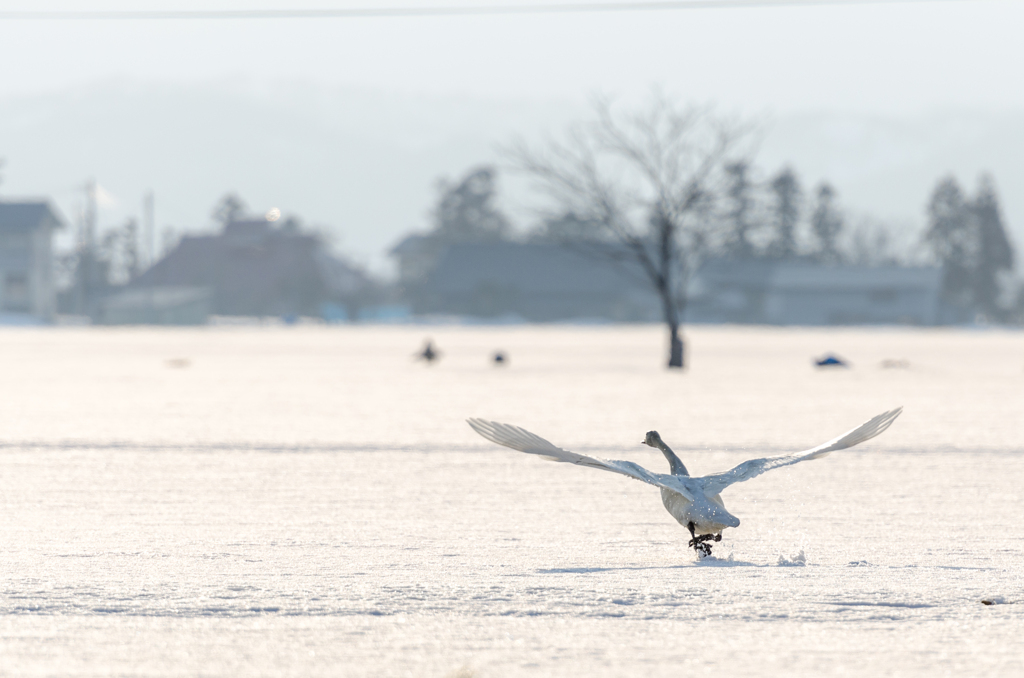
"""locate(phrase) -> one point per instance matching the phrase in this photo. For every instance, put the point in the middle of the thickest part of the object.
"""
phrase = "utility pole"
(148, 229)
(90, 214)
(86, 251)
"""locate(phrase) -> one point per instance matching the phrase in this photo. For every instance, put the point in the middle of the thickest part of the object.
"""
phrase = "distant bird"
(429, 353)
(830, 361)
(500, 358)
(695, 502)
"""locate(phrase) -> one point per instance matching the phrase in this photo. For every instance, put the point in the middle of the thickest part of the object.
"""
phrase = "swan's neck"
(675, 464)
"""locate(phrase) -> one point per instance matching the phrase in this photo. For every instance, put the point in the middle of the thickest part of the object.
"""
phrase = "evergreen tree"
(827, 223)
(466, 210)
(229, 209)
(952, 240)
(994, 251)
(741, 203)
(786, 213)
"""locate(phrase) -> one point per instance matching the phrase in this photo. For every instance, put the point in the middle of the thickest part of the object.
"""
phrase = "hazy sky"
(884, 59)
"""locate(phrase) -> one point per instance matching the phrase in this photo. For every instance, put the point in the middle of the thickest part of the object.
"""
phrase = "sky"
(438, 94)
(881, 57)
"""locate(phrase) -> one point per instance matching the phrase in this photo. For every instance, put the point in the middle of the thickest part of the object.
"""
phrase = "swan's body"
(696, 502)
(707, 517)
(701, 517)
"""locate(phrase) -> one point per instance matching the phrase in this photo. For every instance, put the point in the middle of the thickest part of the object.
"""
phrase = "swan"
(696, 502)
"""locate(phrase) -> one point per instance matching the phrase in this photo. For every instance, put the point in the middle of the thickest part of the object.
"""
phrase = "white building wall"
(26, 260)
(42, 292)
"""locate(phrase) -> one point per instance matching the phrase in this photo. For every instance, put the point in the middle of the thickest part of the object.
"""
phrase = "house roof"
(26, 216)
(250, 272)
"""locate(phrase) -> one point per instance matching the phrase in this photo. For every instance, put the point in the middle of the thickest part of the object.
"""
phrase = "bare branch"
(648, 178)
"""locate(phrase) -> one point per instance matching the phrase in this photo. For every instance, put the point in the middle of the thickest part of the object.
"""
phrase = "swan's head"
(653, 439)
(675, 464)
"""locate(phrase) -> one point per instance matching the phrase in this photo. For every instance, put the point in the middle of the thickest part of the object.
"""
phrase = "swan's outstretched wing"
(716, 482)
(524, 441)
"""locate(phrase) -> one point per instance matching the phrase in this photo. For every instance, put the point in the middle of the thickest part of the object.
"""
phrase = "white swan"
(695, 502)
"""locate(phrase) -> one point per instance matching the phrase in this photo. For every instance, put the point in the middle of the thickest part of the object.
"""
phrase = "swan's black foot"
(704, 538)
(700, 544)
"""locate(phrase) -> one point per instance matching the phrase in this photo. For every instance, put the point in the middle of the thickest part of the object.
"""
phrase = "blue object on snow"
(830, 361)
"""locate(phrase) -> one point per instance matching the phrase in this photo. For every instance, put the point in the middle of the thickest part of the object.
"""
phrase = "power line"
(427, 11)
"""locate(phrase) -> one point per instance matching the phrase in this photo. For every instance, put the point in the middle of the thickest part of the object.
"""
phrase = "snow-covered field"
(309, 502)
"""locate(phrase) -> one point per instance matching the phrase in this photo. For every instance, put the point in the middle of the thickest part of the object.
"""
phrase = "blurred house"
(251, 269)
(416, 256)
(547, 282)
(536, 281)
(162, 305)
(26, 260)
(804, 293)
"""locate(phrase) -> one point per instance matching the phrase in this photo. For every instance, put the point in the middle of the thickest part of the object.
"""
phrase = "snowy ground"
(308, 501)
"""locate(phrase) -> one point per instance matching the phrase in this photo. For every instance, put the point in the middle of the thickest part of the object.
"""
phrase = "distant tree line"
(772, 219)
(670, 186)
(966, 236)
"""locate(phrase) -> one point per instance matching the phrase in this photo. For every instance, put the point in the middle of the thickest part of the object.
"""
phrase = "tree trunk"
(676, 354)
(671, 313)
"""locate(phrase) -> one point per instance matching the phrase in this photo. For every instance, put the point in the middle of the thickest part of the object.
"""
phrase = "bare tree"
(870, 242)
(647, 181)
(130, 248)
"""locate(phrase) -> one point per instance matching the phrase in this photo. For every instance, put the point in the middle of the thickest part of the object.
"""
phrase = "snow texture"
(310, 502)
